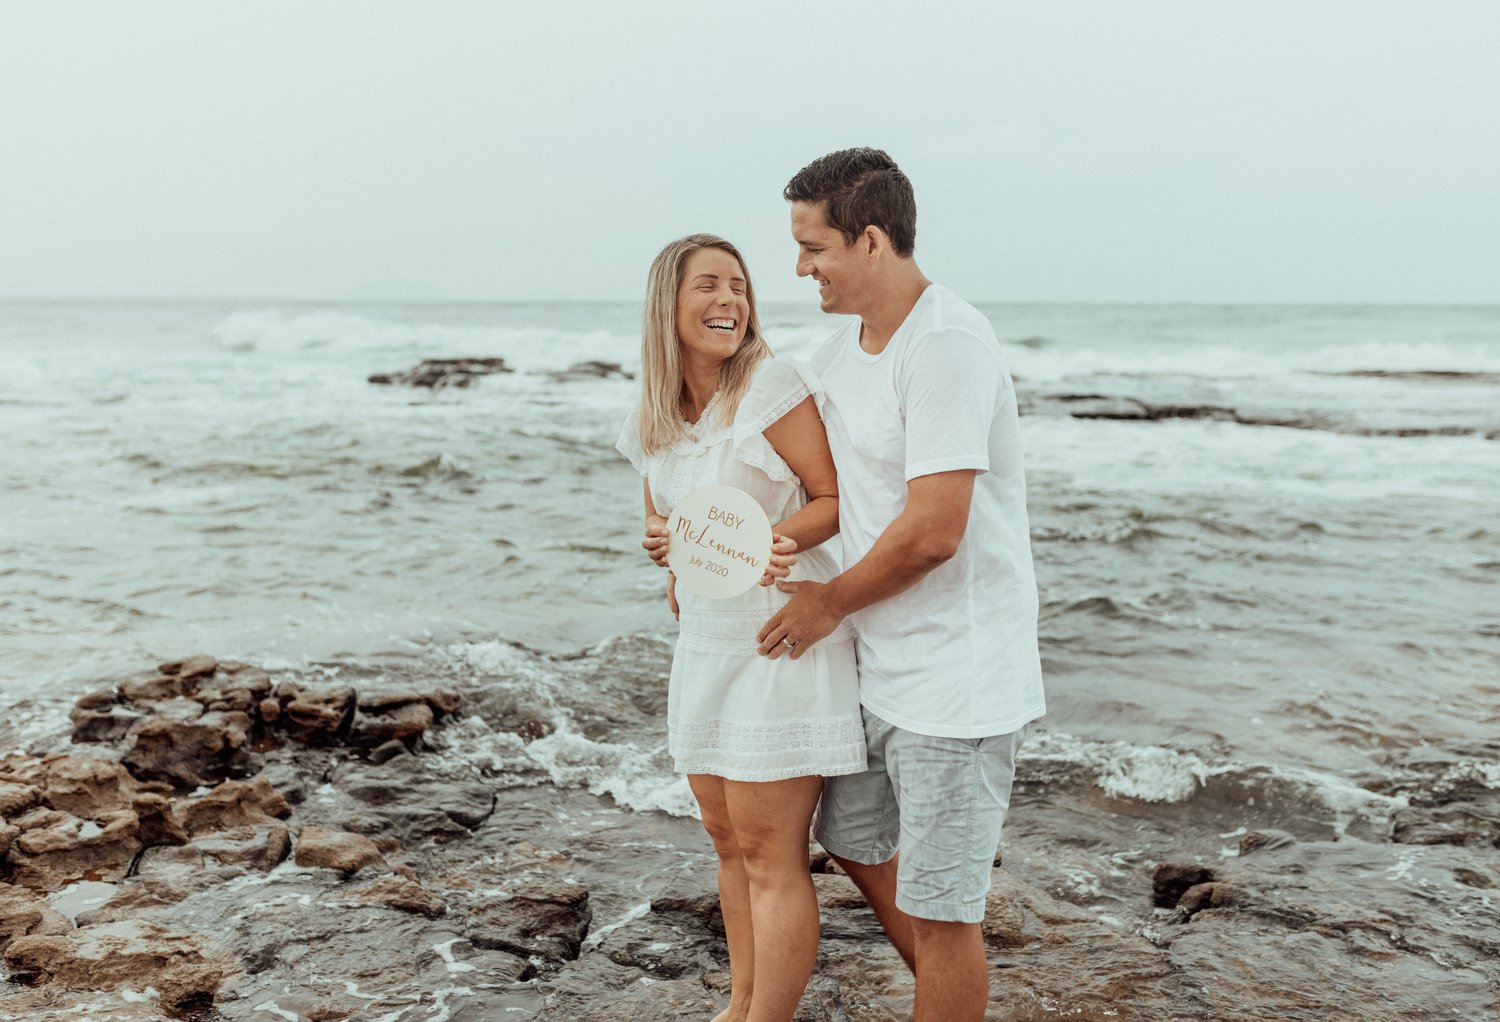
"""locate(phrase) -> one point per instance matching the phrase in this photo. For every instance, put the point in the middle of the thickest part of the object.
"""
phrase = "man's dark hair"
(860, 188)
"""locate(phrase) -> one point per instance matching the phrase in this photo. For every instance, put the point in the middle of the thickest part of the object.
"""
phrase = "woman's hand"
(656, 540)
(783, 558)
(672, 596)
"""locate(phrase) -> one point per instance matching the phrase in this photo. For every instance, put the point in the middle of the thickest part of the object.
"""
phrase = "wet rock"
(1267, 840)
(232, 804)
(83, 785)
(1214, 894)
(191, 753)
(1171, 881)
(387, 751)
(592, 371)
(260, 848)
(103, 723)
(600, 989)
(417, 799)
(16, 798)
(128, 954)
(406, 723)
(23, 914)
(238, 687)
(443, 372)
(1473, 878)
(155, 688)
(56, 848)
(190, 667)
(1456, 823)
(400, 893)
(326, 848)
(316, 715)
(542, 917)
(442, 701)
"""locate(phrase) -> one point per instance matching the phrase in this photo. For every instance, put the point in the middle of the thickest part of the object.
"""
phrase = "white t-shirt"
(956, 654)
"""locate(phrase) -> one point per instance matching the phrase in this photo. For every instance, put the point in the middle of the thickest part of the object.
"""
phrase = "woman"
(755, 736)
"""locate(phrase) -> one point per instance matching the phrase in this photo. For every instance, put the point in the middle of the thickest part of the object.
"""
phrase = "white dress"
(730, 711)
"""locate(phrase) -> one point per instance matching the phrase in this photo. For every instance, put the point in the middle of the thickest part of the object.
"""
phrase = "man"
(921, 418)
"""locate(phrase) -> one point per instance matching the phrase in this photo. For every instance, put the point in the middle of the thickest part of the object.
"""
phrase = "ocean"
(1267, 538)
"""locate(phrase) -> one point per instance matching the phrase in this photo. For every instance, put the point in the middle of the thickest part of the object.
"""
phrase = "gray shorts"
(940, 802)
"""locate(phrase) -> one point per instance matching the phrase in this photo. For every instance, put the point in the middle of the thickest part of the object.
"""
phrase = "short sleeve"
(629, 443)
(779, 385)
(951, 387)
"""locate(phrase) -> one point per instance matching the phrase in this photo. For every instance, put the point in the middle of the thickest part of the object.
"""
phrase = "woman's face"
(712, 307)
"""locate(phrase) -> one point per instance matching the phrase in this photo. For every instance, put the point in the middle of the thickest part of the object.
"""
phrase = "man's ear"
(874, 242)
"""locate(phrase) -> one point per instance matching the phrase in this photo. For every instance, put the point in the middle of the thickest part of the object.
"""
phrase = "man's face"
(823, 255)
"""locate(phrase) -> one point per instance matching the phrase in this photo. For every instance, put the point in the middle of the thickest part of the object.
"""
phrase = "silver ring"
(788, 644)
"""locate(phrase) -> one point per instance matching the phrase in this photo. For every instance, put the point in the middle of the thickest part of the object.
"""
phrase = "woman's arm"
(799, 437)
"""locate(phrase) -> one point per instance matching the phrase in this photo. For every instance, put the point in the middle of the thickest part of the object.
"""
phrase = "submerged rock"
(443, 372)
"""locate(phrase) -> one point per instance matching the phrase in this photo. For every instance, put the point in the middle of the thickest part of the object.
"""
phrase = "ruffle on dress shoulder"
(629, 443)
(780, 384)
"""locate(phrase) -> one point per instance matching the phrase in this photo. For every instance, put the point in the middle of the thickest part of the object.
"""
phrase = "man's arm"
(926, 533)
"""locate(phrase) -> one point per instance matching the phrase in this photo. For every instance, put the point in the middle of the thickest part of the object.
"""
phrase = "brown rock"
(441, 701)
(103, 723)
(400, 893)
(130, 954)
(270, 710)
(23, 914)
(57, 848)
(84, 785)
(156, 688)
(316, 715)
(190, 753)
(405, 723)
(543, 917)
(1210, 895)
(241, 688)
(232, 804)
(16, 798)
(1171, 881)
(1265, 840)
(326, 848)
(190, 667)
(261, 848)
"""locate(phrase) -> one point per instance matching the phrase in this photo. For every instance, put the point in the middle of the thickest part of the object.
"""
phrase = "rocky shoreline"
(212, 843)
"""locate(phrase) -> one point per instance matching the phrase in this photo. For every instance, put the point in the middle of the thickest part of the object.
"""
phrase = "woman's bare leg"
(734, 895)
(770, 821)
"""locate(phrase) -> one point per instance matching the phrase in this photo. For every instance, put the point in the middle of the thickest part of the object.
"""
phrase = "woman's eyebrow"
(715, 276)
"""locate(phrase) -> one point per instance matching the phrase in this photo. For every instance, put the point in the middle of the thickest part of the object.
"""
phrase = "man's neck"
(896, 300)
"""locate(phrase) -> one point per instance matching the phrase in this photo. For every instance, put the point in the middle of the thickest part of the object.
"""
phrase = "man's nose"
(804, 266)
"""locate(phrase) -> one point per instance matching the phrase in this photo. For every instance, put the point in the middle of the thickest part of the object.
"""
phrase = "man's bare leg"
(952, 973)
(878, 885)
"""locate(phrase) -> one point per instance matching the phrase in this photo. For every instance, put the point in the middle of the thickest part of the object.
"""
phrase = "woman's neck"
(700, 380)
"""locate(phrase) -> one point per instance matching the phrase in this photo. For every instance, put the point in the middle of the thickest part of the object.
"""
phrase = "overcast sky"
(1170, 150)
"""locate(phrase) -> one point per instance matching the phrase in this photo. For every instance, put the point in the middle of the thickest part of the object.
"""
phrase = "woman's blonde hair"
(661, 422)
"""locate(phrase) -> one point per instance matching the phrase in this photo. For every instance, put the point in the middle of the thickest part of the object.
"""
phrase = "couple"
(889, 688)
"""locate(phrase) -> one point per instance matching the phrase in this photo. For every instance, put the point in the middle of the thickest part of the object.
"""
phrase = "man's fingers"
(772, 645)
(767, 628)
(802, 647)
(789, 587)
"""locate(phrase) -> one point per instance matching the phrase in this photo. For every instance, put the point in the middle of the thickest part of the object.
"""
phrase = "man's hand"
(805, 619)
(672, 596)
(656, 540)
(783, 559)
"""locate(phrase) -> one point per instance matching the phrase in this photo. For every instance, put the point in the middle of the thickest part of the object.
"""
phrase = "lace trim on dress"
(826, 736)
(751, 445)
